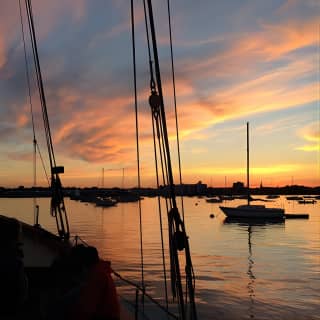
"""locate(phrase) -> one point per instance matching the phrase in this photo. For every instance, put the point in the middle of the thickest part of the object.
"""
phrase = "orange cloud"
(266, 93)
(22, 120)
(310, 133)
(252, 91)
(277, 40)
(245, 50)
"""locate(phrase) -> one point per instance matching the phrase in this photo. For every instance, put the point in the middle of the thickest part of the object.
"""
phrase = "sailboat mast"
(248, 159)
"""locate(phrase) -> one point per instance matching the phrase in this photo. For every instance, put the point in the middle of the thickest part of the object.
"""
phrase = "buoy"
(211, 215)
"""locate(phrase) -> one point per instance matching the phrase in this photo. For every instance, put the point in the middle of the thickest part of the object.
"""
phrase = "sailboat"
(42, 249)
(249, 211)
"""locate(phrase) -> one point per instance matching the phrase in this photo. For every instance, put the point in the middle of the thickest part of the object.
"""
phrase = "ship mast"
(178, 240)
(58, 209)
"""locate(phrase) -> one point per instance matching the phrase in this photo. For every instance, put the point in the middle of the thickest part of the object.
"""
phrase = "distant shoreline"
(40, 192)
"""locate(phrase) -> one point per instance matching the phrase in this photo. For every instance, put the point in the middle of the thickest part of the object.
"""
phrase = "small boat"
(214, 200)
(294, 198)
(273, 196)
(105, 202)
(307, 201)
(253, 212)
(249, 211)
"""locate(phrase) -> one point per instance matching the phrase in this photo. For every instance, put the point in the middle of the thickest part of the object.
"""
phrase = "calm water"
(269, 271)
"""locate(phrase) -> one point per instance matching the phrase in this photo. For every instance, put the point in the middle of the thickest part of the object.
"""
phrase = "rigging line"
(43, 166)
(153, 91)
(175, 105)
(162, 111)
(33, 51)
(175, 222)
(35, 204)
(163, 163)
(152, 82)
(173, 212)
(164, 166)
(57, 202)
(160, 217)
(27, 70)
(137, 135)
(40, 84)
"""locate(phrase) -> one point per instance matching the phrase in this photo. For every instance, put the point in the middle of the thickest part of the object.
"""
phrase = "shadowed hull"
(253, 212)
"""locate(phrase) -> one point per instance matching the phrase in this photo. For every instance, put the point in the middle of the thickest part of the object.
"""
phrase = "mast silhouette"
(57, 209)
(178, 239)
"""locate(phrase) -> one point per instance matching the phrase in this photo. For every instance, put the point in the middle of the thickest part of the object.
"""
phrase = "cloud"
(254, 73)
(310, 133)
(270, 91)
(239, 53)
(309, 148)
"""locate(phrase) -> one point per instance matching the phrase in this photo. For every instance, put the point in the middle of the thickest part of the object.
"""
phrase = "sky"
(234, 61)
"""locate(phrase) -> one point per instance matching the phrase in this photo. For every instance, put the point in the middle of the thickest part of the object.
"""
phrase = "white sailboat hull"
(253, 212)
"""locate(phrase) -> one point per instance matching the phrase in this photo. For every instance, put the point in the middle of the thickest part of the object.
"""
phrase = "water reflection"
(251, 226)
(252, 278)
(226, 254)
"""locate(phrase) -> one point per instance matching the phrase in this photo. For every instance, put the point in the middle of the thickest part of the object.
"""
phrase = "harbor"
(279, 279)
(114, 118)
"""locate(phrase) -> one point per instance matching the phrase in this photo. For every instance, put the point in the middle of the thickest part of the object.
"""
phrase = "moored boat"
(249, 211)
(253, 212)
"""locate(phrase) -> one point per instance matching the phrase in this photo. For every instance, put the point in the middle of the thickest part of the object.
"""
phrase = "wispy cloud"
(311, 134)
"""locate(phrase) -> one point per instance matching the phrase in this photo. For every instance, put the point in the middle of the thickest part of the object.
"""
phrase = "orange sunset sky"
(235, 61)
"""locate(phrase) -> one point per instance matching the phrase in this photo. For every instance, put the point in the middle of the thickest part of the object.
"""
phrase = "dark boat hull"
(253, 212)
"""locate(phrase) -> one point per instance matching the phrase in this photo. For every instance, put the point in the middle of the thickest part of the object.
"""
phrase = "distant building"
(238, 187)
(189, 189)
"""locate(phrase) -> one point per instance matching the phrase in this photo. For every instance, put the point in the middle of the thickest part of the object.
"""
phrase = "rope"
(57, 202)
(40, 83)
(175, 105)
(43, 166)
(152, 82)
(35, 204)
(178, 239)
(144, 293)
(157, 127)
(35, 143)
(137, 136)
(160, 218)
(175, 269)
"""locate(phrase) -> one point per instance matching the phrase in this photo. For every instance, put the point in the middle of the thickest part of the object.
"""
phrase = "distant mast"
(248, 181)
